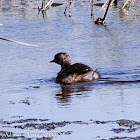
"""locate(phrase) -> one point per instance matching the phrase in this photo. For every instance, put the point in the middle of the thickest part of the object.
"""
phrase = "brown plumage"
(73, 73)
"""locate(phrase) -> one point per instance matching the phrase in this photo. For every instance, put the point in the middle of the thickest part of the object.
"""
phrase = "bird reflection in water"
(67, 91)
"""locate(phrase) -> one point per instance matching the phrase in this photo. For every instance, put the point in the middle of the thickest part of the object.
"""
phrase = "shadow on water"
(121, 77)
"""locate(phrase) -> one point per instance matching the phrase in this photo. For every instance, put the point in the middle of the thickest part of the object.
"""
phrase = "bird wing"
(76, 68)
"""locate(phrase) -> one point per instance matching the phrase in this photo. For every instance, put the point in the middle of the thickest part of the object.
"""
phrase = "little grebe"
(73, 73)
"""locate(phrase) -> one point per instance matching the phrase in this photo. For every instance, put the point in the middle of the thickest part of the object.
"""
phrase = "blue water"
(112, 49)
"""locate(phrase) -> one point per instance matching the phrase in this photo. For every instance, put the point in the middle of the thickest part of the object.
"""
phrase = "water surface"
(28, 88)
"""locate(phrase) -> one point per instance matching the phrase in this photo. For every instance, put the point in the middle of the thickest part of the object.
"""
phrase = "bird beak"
(52, 61)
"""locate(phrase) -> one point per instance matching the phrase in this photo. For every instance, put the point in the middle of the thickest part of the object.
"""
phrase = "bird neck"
(65, 65)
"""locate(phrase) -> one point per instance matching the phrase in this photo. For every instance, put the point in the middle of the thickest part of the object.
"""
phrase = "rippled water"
(112, 49)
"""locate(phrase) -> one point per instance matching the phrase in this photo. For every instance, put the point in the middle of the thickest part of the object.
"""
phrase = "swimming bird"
(77, 72)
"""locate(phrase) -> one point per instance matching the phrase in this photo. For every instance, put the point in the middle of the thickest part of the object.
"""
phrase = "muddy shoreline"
(128, 126)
